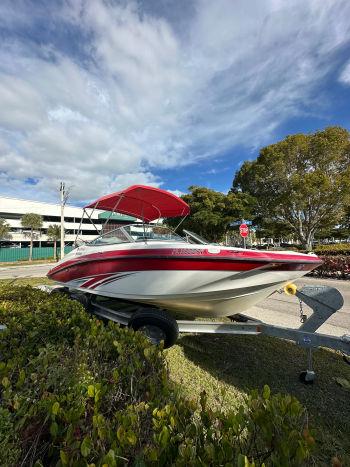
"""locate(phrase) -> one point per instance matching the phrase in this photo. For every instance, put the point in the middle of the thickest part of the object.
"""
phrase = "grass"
(228, 367)
(33, 281)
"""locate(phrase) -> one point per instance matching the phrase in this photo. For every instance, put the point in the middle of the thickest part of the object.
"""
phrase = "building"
(12, 210)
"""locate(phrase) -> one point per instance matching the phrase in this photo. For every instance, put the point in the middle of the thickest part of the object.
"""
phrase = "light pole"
(63, 197)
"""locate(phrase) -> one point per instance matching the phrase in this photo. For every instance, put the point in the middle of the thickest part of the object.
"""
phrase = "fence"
(22, 254)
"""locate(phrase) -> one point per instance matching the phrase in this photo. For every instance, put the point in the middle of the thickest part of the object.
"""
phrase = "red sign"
(243, 230)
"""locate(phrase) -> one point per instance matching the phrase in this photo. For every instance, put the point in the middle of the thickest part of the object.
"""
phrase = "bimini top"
(144, 202)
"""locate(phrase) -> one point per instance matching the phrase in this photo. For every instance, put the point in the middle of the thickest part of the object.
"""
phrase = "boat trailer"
(159, 325)
(324, 301)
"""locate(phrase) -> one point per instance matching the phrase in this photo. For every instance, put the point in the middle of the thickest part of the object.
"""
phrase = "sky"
(106, 94)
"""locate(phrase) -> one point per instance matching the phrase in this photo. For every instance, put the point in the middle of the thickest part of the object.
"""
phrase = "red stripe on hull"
(93, 280)
(87, 269)
(189, 256)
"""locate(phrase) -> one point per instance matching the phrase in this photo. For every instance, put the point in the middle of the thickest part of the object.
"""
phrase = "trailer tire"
(60, 290)
(83, 298)
(157, 325)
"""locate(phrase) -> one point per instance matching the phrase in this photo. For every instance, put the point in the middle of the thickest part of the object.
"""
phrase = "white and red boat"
(150, 264)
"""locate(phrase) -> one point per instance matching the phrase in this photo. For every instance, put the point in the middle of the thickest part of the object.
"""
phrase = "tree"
(212, 211)
(341, 231)
(344, 225)
(33, 222)
(4, 230)
(270, 228)
(303, 181)
(54, 234)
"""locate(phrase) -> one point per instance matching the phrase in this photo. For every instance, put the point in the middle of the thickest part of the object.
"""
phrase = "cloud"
(108, 94)
(177, 192)
(345, 75)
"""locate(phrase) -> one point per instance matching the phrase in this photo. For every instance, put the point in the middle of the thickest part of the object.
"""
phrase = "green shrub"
(76, 392)
(333, 250)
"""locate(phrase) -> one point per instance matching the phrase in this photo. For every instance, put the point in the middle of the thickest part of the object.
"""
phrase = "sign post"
(244, 232)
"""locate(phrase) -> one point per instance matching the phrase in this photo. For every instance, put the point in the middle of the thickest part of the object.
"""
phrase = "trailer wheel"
(83, 298)
(60, 290)
(157, 325)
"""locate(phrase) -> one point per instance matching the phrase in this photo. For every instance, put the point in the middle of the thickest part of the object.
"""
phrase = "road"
(33, 270)
(279, 309)
(283, 310)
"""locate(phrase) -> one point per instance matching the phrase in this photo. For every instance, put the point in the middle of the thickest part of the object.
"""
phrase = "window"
(10, 215)
(136, 233)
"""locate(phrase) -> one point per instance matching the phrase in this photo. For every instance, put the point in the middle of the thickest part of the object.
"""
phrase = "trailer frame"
(323, 300)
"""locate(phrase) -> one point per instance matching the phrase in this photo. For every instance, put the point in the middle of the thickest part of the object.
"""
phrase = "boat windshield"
(192, 237)
(137, 233)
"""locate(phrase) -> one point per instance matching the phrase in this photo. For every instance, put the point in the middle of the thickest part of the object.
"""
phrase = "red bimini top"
(144, 202)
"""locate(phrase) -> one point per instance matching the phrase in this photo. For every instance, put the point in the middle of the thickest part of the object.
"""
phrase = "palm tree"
(54, 234)
(33, 222)
(4, 229)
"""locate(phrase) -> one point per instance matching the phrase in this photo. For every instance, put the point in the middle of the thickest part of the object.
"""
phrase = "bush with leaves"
(334, 267)
(333, 250)
(76, 392)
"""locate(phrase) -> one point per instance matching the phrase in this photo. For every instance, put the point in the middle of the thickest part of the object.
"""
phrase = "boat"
(148, 263)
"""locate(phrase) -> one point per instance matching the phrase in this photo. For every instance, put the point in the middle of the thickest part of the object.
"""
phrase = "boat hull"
(232, 296)
(193, 282)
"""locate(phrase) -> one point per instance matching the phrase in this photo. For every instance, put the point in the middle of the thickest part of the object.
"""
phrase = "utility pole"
(64, 197)
(244, 243)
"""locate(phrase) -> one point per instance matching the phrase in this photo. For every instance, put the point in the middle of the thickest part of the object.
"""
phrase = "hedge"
(76, 392)
(336, 261)
(334, 267)
(333, 250)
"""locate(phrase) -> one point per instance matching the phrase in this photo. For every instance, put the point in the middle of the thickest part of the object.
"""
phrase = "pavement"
(279, 309)
(284, 310)
(32, 270)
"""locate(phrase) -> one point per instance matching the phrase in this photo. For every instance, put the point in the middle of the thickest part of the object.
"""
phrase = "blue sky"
(105, 94)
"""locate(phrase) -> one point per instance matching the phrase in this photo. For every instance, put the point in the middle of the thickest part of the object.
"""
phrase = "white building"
(12, 210)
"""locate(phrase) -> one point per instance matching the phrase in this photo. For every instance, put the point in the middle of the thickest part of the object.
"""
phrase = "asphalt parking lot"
(284, 309)
(33, 270)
